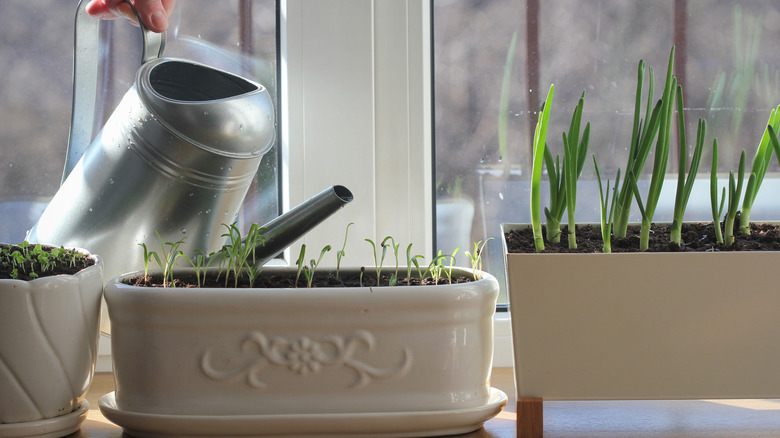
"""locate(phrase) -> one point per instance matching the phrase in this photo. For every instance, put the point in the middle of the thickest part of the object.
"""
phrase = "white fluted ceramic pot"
(48, 343)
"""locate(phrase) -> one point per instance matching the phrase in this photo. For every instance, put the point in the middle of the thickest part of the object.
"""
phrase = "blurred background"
(726, 61)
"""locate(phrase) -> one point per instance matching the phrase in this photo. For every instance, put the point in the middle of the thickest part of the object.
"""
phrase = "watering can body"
(175, 159)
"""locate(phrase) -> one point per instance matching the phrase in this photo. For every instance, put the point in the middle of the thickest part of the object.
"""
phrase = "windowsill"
(655, 418)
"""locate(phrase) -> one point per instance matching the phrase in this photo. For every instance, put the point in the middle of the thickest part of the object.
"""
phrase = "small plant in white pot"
(49, 316)
(274, 351)
(647, 311)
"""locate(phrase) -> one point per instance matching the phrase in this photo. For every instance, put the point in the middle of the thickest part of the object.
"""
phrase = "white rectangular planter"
(645, 325)
(319, 353)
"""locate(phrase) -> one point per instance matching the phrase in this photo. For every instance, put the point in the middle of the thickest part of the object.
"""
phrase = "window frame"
(376, 56)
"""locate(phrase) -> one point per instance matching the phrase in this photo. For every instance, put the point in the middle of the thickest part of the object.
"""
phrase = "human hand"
(154, 13)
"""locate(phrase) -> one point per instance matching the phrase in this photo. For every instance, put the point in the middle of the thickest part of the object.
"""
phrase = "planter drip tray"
(381, 424)
(48, 428)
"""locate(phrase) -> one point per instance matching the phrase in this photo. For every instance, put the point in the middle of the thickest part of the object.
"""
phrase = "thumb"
(153, 14)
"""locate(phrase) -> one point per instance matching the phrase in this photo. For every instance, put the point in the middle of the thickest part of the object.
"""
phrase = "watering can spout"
(287, 228)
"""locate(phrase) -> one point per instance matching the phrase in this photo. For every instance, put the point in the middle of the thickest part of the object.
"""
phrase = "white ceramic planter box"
(188, 353)
(48, 347)
(645, 325)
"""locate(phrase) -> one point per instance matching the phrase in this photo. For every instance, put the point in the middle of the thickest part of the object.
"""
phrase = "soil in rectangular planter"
(325, 279)
(695, 237)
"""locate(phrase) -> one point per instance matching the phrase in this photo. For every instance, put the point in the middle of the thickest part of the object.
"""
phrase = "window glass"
(34, 107)
(725, 61)
(36, 40)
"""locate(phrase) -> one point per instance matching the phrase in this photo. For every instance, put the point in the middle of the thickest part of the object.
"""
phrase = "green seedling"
(563, 180)
(576, 150)
(734, 193)
(313, 264)
(252, 273)
(170, 252)
(685, 184)
(301, 263)
(378, 261)
(436, 267)
(554, 213)
(760, 165)
(476, 256)
(540, 136)
(200, 264)
(239, 253)
(394, 247)
(607, 208)
(717, 207)
(342, 252)
(412, 260)
(660, 160)
(448, 270)
(147, 259)
(642, 138)
(409, 264)
(416, 263)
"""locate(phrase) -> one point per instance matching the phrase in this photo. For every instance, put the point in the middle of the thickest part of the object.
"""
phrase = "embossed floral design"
(304, 356)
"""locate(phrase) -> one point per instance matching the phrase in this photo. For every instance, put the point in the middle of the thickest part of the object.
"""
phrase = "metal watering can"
(176, 158)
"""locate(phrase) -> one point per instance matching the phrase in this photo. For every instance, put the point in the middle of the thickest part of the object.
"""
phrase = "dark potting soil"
(324, 279)
(32, 269)
(695, 237)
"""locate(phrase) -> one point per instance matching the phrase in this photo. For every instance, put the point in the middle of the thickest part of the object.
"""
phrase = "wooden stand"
(530, 417)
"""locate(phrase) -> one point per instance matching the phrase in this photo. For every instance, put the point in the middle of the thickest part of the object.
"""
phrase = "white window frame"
(357, 111)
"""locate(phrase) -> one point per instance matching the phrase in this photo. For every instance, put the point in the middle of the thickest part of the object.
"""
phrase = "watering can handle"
(85, 80)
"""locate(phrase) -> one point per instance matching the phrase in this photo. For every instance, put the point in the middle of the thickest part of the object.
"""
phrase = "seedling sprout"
(540, 136)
